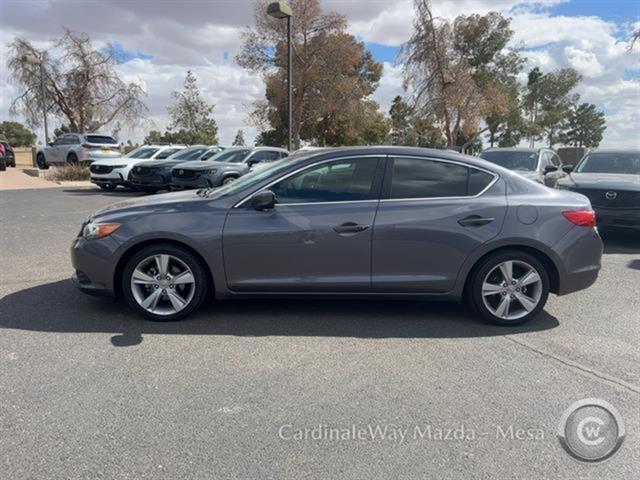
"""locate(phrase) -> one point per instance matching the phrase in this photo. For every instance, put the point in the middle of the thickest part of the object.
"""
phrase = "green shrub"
(70, 173)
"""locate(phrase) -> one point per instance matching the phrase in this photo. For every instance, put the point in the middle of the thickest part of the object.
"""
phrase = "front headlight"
(118, 166)
(99, 230)
(208, 172)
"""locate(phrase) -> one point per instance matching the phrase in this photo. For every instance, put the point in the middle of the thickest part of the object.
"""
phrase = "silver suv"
(78, 147)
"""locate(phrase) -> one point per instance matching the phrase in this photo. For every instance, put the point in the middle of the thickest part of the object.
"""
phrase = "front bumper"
(198, 182)
(618, 217)
(115, 177)
(93, 265)
(159, 181)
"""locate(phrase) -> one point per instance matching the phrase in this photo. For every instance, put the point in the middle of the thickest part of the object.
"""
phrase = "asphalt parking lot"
(88, 390)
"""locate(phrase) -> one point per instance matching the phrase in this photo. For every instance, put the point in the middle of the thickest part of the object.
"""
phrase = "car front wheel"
(509, 288)
(164, 282)
(42, 163)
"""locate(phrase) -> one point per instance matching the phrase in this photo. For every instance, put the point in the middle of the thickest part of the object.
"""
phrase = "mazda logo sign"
(181, 172)
(610, 195)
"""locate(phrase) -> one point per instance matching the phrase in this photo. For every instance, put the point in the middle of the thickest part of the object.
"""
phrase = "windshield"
(512, 160)
(142, 152)
(233, 156)
(610, 163)
(190, 153)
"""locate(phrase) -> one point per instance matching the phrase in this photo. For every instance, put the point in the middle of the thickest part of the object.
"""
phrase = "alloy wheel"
(512, 289)
(163, 284)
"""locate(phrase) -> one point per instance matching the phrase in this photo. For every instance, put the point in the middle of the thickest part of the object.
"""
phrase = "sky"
(157, 41)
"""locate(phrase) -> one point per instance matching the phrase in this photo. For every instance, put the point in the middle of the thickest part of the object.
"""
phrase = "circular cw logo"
(591, 430)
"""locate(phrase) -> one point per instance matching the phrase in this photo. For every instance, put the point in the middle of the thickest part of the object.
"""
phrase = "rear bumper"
(618, 217)
(580, 251)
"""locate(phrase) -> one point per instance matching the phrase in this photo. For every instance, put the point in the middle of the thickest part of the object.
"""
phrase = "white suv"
(108, 174)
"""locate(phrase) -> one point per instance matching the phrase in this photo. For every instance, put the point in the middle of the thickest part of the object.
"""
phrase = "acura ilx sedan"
(374, 221)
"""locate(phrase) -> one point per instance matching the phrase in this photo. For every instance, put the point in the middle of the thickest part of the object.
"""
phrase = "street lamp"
(281, 10)
(33, 60)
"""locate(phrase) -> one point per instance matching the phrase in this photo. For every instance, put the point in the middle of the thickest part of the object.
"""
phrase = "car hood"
(158, 163)
(148, 202)
(210, 164)
(613, 181)
(109, 162)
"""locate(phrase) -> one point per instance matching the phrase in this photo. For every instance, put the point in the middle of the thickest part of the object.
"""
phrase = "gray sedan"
(375, 221)
(225, 167)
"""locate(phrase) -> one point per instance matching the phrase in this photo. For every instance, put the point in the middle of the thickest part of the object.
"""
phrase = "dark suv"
(9, 154)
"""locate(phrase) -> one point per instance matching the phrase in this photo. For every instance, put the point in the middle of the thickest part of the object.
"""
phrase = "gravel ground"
(88, 390)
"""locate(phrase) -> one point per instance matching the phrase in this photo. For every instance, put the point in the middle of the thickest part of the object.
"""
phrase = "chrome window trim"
(378, 156)
(496, 177)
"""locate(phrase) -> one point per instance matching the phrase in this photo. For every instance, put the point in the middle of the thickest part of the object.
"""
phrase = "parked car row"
(152, 168)
(609, 178)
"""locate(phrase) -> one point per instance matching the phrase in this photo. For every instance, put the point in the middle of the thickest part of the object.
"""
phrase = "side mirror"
(252, 161)
(550, 168)
(567, 168)
(50, 144)
(264, 200)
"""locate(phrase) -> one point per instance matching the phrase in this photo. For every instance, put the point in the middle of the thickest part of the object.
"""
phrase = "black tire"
(3, 165)
(227, 180)
(149, 190)
(72, 158)
(109, 187)
(201, 284)
(41, 162)
(486, 266)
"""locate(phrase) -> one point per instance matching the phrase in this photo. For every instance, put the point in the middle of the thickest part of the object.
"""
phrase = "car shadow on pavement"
(67, 310)
(97, 191)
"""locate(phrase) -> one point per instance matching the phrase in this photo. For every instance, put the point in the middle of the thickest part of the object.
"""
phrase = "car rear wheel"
(42, 163)
(72, 158)
(164, 282)
(509, 288)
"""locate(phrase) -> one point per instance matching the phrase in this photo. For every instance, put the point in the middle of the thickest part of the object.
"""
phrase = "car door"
(317, 238)
(54, 153)
(433, 213)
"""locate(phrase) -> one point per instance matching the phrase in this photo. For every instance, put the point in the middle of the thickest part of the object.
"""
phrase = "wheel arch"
(543, 257)
(133, 249)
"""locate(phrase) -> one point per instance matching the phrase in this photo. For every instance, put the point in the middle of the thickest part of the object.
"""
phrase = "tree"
(401, 122)
(16, 134)
(456, 74)
(239, 140)
(585, 126)
(333, 75)
(549, 100)
(82, 87)
(191, 120)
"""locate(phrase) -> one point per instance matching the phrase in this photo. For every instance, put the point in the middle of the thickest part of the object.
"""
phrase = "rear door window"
(424, 178)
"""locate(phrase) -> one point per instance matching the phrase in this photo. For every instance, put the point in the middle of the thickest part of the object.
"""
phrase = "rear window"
(418, 178)
(101, 139)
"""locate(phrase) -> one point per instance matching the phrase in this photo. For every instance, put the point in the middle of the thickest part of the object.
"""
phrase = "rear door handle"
(475, 221)
(350, 227)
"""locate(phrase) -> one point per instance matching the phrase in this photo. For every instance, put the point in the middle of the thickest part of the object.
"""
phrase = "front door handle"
(475, 221)
(350, 227)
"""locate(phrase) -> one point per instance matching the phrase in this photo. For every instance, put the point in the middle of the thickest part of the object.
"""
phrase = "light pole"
(33, 60)
(281, 10)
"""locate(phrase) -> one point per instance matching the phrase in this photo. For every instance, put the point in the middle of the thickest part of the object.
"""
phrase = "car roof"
(616, 150)
(515, 149)
(277, 149)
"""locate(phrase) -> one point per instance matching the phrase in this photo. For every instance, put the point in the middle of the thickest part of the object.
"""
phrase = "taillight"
(582, 218)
